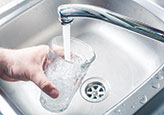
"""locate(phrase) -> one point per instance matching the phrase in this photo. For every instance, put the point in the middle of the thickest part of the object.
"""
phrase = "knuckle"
(45, 47)
(44, 50)
(44, 84)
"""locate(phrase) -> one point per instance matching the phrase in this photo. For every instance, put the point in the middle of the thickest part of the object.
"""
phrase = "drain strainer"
(95, 89)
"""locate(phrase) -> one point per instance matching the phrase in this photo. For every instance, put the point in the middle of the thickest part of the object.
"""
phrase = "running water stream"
(66, 40)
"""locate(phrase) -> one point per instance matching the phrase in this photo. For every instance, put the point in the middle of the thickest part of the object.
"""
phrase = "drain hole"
(95, 89)
(89, 95)
(89, 90)
(101, 90)
(95, 97)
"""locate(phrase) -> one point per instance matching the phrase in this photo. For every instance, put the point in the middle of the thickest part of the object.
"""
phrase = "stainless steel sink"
(129, 62)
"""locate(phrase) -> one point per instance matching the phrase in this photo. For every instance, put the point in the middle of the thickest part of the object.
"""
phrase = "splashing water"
(143, 99)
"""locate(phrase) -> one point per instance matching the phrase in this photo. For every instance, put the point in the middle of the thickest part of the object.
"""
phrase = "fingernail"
(54, 93)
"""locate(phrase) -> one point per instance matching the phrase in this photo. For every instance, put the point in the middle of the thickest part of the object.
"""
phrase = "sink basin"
(129, 62)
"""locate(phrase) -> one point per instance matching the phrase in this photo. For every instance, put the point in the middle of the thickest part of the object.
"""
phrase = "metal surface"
(125, 59)
(69, 11)
(6, 105)
(140, 96)
(14, 8)
(95, 89)
(156, 105)
(153, 7)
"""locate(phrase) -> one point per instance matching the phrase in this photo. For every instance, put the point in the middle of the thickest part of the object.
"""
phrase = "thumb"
(45, 85)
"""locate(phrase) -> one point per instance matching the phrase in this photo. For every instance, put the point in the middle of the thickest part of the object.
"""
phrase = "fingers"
(58, 50)
(45, 85)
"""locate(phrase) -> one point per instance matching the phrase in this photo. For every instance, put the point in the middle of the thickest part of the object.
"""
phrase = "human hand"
(28, 64)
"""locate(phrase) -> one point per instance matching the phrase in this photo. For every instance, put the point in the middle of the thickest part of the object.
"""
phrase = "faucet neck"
(70, 11)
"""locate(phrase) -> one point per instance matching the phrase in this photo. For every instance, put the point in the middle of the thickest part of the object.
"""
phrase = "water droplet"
(135, 103)
(159, 76)
(142, 99)
(132, 106)
(118, 111)
(163, 69)
(161, 72)
(156, 85)
(123, 104)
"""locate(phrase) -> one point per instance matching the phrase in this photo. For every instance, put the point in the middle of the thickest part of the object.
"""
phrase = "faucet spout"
(69, 11)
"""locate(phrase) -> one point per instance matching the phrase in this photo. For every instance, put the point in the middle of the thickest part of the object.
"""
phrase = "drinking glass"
(66, 75)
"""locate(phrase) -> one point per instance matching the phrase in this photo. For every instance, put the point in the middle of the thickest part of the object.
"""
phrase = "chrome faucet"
(69, 11)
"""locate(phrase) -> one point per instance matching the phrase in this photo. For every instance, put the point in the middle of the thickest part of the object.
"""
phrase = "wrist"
(3, 60)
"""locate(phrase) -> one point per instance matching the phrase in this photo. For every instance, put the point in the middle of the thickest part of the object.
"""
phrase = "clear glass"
(66, 75)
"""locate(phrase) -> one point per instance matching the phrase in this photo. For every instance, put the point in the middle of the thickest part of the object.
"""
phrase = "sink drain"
(95, 89)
